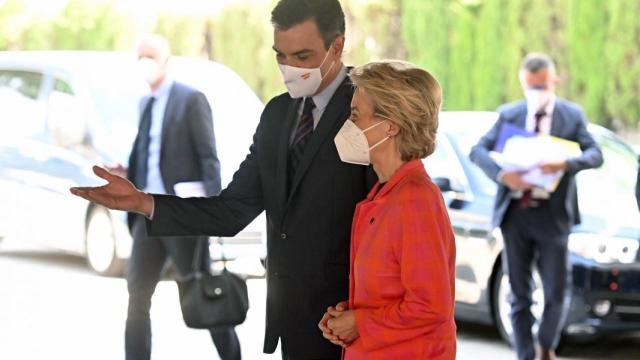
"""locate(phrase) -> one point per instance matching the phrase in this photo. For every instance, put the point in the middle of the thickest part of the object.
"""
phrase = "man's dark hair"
(535, 62)
(327, 14)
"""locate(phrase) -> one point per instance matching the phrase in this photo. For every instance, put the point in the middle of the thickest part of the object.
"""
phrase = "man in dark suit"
(175, 144)
(294, 173)
(535, 224)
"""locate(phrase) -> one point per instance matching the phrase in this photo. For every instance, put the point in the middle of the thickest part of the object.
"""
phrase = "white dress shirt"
(545, 128)
(545, 122)
(154, 177)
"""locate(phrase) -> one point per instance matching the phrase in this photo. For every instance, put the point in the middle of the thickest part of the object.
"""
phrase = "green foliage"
(586, 30)
(425, 27)
(487, 89)
(243, 40)
(622, 50)
(458, 92)
(81, 24)
(480, 43)
(185, 34)
(473, 47)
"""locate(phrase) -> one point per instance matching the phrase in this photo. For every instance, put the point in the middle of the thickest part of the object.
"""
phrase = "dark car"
(604, 253)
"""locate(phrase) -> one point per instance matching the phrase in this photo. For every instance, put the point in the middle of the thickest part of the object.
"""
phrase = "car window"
(66, 116)
(445, 163)
(22, 114)
(25, 83)
(608, 191)
(61, 86)
(464, 141)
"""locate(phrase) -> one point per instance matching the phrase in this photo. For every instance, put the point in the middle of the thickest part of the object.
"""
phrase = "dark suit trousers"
(288, 357)
(531, 238)
(146, 263)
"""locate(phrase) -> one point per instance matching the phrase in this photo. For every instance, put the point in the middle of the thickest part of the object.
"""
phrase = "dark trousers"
(285, 350)
(288, 357)
(530, 238)
(146, 263)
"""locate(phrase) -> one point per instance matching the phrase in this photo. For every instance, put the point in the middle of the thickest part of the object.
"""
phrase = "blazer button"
(283, 236)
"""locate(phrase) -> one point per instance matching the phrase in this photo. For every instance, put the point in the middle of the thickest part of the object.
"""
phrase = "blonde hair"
(409, 97)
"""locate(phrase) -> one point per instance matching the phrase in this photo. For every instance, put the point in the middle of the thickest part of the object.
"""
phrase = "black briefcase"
(212, 300)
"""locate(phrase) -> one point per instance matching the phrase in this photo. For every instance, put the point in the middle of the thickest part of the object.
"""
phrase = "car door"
(63, 163)
(42, 160)
(23, 115)
(445, 169)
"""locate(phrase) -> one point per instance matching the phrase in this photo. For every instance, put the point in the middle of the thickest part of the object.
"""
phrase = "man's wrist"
(147, 205)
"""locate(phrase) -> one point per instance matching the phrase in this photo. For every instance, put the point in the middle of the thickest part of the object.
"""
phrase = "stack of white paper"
(526, 153)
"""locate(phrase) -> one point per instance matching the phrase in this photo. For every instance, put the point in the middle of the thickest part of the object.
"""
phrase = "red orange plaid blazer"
(403, 271)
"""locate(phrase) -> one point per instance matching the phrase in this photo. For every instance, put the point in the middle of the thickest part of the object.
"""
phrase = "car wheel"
(101, 244)
(502, 307)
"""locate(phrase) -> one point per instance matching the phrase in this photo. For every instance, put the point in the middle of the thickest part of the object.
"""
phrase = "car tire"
(100, 244)
(501, 307)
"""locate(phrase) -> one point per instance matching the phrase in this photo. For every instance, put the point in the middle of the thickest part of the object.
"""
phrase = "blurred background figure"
(175, 148)
(535, 223)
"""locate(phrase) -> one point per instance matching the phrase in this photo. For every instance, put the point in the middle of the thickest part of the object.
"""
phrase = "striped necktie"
(302, 136)
(142, 147)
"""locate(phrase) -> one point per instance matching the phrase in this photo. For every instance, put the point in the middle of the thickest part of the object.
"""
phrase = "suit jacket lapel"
(337, 110)
(283, 151)
(557, 118)
(521, 117)
(169, 117)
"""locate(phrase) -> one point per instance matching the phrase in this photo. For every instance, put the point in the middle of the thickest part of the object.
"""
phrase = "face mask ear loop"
(372, 126)
(322, 63)
(379, 142)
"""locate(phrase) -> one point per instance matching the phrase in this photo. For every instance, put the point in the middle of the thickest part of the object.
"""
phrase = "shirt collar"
(548, 109)
(321, 100)
(163, 90)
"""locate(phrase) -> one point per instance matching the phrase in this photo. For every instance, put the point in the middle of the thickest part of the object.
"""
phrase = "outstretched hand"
(118, 194)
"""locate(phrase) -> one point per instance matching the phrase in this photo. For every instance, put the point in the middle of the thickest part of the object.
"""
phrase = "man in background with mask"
(294, 173)
(175, 144)
(535, 224)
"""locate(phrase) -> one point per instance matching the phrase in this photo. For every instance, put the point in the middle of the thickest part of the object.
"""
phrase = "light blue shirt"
(321, 100)
(154, 177)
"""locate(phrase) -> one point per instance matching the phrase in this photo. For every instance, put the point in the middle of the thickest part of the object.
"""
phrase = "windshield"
(464, 140)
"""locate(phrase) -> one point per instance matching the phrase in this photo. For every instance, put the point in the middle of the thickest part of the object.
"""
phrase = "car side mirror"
(452, 192)
(444, 184)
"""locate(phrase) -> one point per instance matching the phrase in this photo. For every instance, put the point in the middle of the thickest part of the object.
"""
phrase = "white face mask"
(352, 144)
(149, 70)
(538, 98)
(303, 82)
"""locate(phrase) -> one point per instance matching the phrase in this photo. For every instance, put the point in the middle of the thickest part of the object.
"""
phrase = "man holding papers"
(536, 204)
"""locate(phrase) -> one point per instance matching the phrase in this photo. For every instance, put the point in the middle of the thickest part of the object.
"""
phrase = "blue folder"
(508, 131)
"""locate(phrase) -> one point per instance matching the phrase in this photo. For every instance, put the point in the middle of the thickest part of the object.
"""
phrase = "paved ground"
(53, 307)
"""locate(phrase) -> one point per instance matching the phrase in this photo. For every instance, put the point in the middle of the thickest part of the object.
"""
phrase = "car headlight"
(604, 249)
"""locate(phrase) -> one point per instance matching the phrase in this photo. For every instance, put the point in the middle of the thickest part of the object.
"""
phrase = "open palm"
(118, 194)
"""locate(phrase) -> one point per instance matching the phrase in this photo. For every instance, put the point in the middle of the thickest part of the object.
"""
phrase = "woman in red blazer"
(401, 296)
